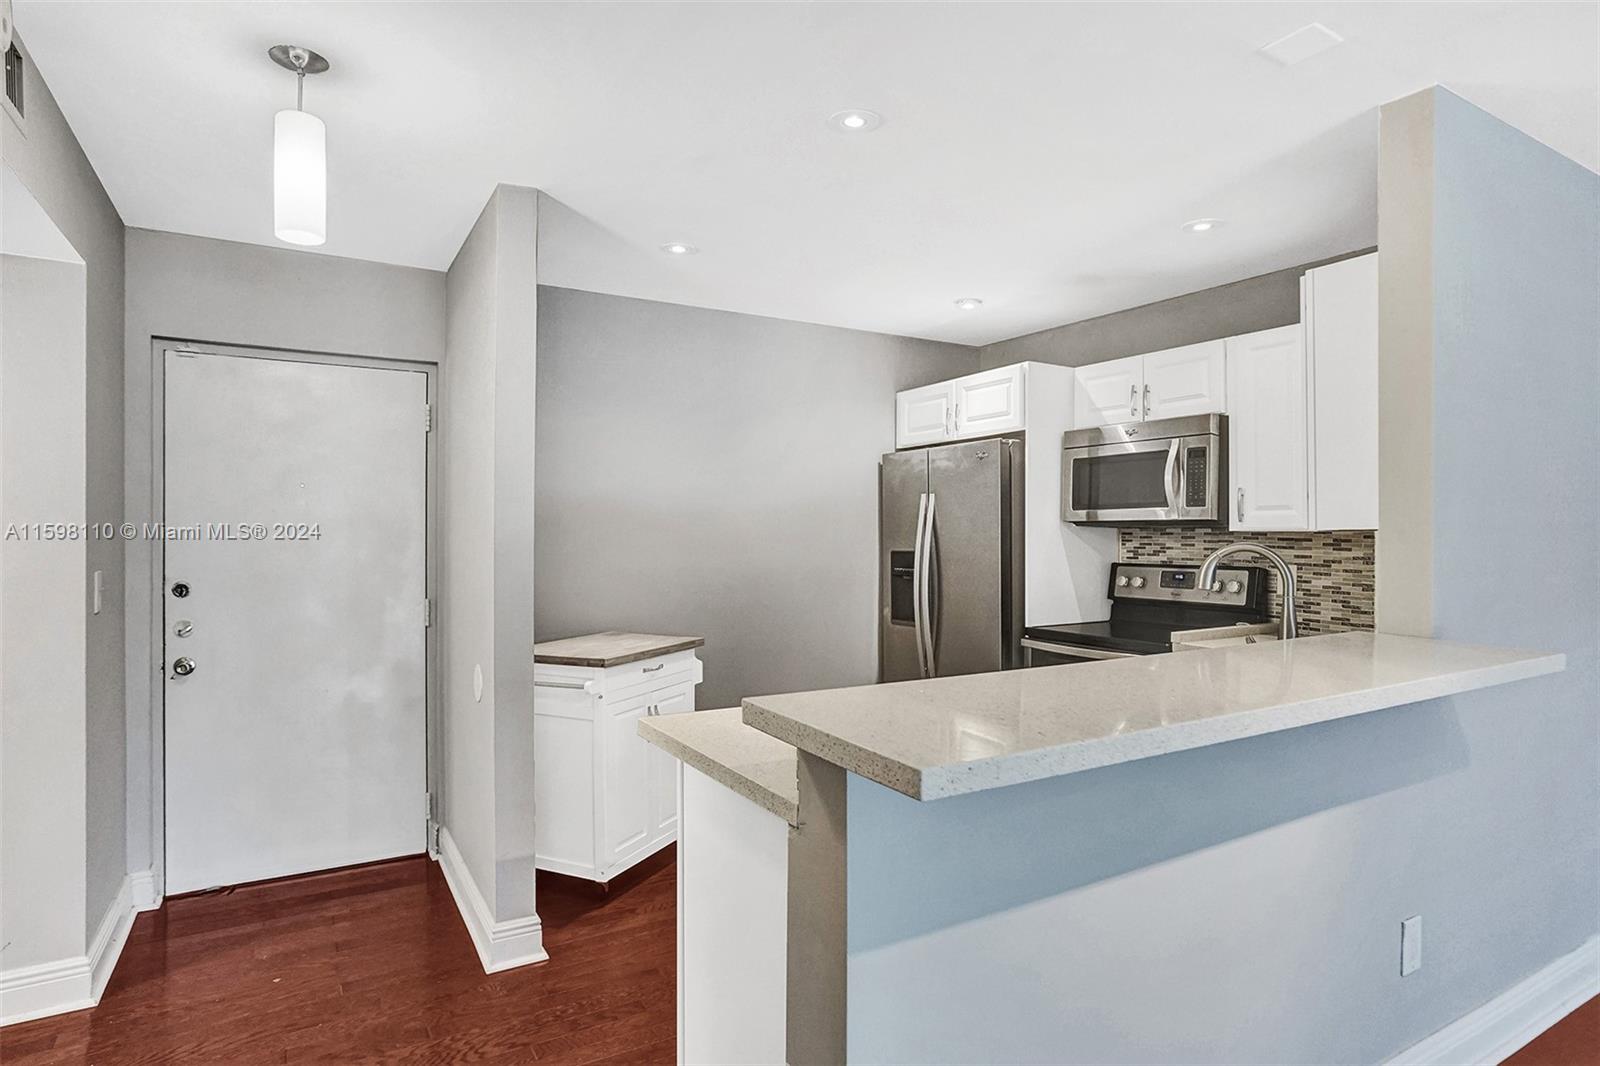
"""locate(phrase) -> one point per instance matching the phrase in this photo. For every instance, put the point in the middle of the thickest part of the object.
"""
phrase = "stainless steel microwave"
(1169, 471)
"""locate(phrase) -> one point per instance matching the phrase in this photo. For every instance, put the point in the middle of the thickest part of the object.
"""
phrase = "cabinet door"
(1267, 430)
(625, 789)
(1185, 381)
(922, 416)
(1109, 393)
(664, 767)
(990, 402)
(1339, 311)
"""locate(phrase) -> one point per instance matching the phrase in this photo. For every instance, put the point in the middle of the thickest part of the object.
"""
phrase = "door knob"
(182, 666)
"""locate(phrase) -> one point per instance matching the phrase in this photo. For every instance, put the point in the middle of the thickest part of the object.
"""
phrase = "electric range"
(1154, 608)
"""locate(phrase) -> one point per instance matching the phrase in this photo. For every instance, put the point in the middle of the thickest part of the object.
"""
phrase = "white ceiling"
(1038, 156)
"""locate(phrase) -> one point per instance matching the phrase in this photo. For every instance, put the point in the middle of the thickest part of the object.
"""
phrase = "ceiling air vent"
(14, 80)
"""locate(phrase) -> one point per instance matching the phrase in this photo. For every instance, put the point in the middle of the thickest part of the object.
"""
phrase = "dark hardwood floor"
(1573, 1041)
(374, 965)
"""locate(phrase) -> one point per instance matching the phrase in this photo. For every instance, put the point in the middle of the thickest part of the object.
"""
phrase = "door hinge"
(427, 613)
(427, 418)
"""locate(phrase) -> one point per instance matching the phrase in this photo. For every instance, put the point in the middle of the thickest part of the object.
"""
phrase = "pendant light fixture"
(299, 156)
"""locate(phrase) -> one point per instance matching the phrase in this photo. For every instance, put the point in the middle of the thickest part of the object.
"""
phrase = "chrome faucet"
(1288, 630)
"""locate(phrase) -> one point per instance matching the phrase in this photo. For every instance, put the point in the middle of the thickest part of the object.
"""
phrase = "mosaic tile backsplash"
(1333, 571)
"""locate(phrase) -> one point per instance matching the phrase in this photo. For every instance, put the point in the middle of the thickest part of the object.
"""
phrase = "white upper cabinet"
(924, 416)
(1185, 381)
(991, 402)
(1109, 392)
(1007, 399)
(1170, 384)
(1267, 456)
(1339, 313)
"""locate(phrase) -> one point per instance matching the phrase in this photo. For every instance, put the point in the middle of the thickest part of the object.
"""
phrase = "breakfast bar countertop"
(954, 735)
(718, 744)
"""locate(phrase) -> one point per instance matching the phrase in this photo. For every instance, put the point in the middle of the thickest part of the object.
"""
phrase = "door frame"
(155, 622)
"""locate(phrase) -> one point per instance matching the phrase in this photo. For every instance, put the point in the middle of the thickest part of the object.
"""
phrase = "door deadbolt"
(182, 627)
(180, 589)
(183, 666)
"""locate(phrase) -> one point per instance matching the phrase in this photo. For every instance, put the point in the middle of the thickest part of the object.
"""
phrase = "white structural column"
(486, 588)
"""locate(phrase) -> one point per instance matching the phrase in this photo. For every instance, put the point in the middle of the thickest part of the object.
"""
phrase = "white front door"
(296, 517)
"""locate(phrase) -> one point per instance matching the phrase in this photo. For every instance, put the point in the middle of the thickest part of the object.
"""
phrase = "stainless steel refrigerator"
(950, 560)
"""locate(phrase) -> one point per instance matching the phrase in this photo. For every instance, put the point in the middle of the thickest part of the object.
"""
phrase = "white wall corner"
(146, 889)
(74, 983)
(500, 945)
(1508, 1022)
(106, 948)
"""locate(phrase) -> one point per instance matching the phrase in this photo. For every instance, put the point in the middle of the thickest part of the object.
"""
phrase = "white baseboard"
(501, 945)
(146, 891)
(74, 983)
(1505, 1024)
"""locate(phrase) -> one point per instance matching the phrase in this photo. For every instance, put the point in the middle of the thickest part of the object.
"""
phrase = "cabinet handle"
(1241, 503)
(1147, 401)
(652, 669)
(1133, 401)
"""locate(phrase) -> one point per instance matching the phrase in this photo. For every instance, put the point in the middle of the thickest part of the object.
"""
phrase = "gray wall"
(53, 167)
(42, 637)
(1262, 302)
(713, 473)
(487, 585)
(1263, 882)
(197, 289)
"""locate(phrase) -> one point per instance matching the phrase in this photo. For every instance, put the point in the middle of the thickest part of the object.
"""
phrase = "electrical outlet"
(1411, 945)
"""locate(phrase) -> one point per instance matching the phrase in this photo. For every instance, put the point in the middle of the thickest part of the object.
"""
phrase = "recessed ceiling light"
(1309, 40)
(679, 248)
(1201, 225)
(855, 120)
(969, 303)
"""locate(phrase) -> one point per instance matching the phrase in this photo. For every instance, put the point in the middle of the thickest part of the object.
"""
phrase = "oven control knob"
(1122, 581)
(1138, 582)
(1216, 586)
(1234, 586)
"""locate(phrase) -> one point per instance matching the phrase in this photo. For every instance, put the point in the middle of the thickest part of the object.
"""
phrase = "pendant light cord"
(299, 58)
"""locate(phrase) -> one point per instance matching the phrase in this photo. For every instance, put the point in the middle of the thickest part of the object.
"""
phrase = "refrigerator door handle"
(919, 568)
(930, 590)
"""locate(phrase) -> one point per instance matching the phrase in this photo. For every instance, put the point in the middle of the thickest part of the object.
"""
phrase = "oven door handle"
(1076, 650)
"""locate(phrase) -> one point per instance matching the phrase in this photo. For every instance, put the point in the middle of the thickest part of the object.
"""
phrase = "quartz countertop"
(949, 736)
(610, 648)
(758, 767)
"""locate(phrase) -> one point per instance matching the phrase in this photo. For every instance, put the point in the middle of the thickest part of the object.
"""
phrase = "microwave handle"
(1174, 477)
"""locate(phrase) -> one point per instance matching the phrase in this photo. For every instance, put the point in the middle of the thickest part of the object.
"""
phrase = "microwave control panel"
(1195, 482)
